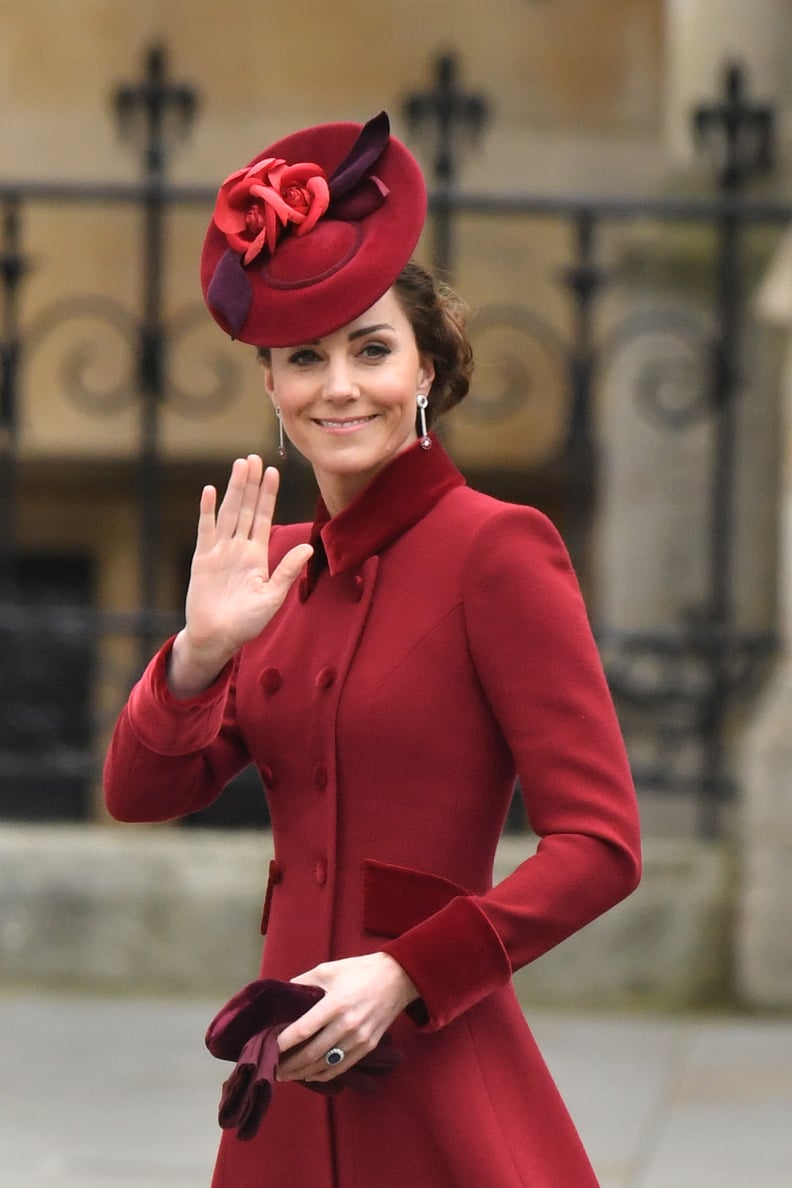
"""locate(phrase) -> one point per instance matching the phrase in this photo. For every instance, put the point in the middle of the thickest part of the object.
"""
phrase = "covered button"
(271, 680)
(320, 871)
(325, 677)
(320, 775)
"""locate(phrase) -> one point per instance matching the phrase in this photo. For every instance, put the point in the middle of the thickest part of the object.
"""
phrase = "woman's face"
(347, 401)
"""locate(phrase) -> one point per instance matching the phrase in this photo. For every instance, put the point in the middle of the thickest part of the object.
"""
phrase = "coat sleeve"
(533, 650)
(169, 756)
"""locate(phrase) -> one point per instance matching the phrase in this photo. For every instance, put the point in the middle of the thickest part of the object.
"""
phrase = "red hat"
(311, 233)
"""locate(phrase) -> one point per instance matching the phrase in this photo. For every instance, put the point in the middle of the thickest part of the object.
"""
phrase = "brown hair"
(437, 316)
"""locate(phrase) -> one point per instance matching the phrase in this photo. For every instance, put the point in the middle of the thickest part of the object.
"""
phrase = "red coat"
(437, 645)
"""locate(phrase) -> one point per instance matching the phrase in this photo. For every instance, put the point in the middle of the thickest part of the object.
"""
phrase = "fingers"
(238, 508)
(250, 495)
(327, 1025)
(308, 1063)
(306, 1042)
(232, 500)
(320, 1070)
(363, 995)
(247, 507)
(288, 569)
(265, 505)
(206, 520)
(306, 1027)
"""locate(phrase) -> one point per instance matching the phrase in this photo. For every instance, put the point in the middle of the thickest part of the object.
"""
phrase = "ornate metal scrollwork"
(216, 364)
(514, 368)
(98, 379)
(677, 684)
(648, 670)
(672, 379)
(84, 366)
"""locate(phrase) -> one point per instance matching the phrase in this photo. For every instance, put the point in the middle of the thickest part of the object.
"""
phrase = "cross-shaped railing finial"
(452, 110)
(150, 102)
(739, 134)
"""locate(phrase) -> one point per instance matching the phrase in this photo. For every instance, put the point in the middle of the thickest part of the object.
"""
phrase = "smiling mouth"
(343, 424)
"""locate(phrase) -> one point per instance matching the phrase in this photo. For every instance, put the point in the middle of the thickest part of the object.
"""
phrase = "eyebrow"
(364, 330)
(361, 333)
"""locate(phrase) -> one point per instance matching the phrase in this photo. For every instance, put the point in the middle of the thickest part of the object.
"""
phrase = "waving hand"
(232, 595)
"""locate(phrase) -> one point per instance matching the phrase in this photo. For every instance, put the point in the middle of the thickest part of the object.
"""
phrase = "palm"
(232, 595)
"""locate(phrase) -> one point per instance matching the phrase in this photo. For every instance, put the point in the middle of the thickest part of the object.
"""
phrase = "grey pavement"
(120, 1093)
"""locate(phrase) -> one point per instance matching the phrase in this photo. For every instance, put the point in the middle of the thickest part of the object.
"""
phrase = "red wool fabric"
(462, 657)
(312, 284)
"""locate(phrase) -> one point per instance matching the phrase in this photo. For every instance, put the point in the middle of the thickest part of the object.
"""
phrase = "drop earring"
(423, 402)
(281, 439)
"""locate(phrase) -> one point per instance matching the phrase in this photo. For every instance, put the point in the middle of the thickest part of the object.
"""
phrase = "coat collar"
(397, 497)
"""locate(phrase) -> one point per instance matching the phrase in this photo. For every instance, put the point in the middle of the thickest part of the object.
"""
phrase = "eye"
(303, 357)
(375, 350)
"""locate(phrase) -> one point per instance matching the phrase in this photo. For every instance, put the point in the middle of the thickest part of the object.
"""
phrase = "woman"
(389, 670)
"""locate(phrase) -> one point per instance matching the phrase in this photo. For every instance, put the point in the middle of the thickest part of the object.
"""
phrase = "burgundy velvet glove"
(246, 1030)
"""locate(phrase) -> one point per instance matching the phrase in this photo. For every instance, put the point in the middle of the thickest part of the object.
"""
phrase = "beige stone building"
(584, 97)
(574, 93)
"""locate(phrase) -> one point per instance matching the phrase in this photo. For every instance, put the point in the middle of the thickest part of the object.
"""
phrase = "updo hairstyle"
(437, 315)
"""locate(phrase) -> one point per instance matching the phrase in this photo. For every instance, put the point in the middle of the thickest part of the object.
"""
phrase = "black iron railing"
(685, 680)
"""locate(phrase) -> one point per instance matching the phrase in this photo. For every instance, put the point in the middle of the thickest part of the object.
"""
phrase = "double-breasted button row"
(321, 775)
(271, 679)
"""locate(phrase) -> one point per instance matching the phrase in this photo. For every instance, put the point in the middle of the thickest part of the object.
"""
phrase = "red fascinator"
(311, 233)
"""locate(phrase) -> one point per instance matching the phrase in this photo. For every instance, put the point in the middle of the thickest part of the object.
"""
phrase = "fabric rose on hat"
(270, 202)
(254, 205)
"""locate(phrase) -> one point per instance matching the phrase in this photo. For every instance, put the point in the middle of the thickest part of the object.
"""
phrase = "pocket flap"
(396, 898)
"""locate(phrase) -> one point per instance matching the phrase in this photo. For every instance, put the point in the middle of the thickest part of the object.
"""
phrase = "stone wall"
(764, 935)
(157, 909)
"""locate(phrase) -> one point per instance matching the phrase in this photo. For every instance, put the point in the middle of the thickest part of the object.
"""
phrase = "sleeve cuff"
(455, 959)
(168, 725)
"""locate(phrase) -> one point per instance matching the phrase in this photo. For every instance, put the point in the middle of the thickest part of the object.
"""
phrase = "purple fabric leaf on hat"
(364, 200)
(365, 152)
(230, 292)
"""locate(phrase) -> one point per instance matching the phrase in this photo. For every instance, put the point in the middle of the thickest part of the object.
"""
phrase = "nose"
(339, 384)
